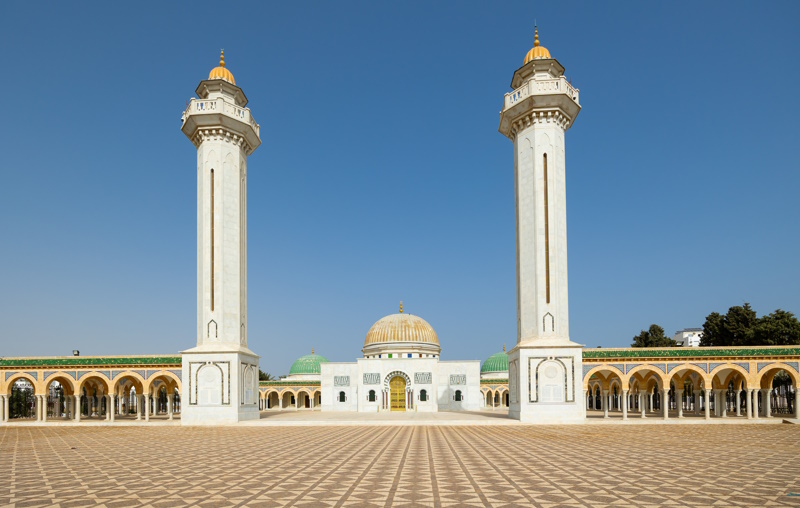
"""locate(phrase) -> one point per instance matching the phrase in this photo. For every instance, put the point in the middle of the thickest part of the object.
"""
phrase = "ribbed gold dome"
(401, 328)
(221, 72)
(537, 51)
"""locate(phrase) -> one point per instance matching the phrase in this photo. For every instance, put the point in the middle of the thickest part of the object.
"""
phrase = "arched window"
(341, 397)
(423, 395)
(458, 396)
(371, 396)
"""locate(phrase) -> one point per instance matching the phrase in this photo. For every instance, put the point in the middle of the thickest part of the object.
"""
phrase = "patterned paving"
(409, 466)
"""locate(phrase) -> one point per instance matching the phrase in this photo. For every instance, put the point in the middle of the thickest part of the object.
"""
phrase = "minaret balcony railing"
(542, 87)
(220, 105)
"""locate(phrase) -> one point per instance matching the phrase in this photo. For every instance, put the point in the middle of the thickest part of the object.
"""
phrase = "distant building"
(688, 337)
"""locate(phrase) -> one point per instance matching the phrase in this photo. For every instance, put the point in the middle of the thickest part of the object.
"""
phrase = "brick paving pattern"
(408, 466)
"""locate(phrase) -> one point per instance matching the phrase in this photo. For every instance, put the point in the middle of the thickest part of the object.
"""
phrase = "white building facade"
(401, 371)
(545, 365)
(688, 337)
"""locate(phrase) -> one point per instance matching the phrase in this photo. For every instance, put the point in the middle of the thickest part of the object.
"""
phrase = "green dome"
(308, 364)
(498, 362)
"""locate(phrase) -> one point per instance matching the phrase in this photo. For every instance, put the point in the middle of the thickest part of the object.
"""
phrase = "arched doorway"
(397, 387)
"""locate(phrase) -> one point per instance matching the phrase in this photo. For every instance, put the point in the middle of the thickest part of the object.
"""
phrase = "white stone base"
(219, 387)
(545, 382)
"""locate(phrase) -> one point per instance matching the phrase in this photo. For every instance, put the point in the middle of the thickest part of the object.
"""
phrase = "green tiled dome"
(308, 364)
(498, 362)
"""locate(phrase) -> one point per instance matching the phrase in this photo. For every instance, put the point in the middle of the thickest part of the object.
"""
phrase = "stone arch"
(22, 375)
(651, 372)
(64, 379)
(123, 377)
(92, 378)
(712, 376)
(394, 374)
(286, 397)
(599, 371)
(303, 398)
(769, 371)
(273, 399)
(684, 370)
(170, 380)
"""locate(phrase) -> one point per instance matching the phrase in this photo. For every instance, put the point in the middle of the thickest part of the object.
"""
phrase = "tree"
(653, 337)
(742, 327)
(264, 376)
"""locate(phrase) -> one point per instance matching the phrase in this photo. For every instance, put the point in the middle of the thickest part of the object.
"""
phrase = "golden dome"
(221, 72)
(537, 51)
(401, 328)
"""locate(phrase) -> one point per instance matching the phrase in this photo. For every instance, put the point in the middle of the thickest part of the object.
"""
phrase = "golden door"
(397, 386)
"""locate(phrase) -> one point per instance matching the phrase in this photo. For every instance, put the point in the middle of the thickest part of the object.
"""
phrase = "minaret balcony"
(537, 94)
(542, 87)
(219, 113)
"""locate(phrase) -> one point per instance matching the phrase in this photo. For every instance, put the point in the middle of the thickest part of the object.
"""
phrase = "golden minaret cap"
(538, 51)
(504, 348)
(221, 72)
(401, 307)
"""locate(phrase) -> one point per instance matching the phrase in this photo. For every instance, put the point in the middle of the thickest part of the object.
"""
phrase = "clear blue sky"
(382, 176)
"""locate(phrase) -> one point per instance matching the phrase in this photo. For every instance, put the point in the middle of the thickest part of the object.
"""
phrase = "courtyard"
(411, 465)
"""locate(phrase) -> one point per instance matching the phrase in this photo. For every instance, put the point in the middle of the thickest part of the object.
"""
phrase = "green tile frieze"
(90, 361)
(680, 352)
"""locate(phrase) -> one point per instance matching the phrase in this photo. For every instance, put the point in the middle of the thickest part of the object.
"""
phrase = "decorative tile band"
(744, 365)
(712, 366)
(672, 366)
(588, 367)
(619, 366)
(661, 366)
(794, 365)
(703, 366)
(631, 366)
(90, 361)
(423, 378)
(682, 352)
(761, 365)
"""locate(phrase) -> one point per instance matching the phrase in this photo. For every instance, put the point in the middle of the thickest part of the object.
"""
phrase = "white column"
(624, 404)
(765, 394)
(146, 401)
(749, 408)
(77, 410)
(110, 409)
(696, 401)
(708, 404)
(642, 400)
(723, 398)
(796, 403)
(604, 403)
(138, 406)
(756, 409)
(169, 405)
(665, 402)
(739, 401)
(679, 398)
(44, 408)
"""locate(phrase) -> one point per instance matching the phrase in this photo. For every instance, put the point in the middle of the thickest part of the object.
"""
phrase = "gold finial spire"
(535, 36)
(222, 58)
(401, 307)
(504, 348)
(312, 350)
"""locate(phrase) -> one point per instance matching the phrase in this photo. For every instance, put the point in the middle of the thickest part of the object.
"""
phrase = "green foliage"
(264, 376)
(741, 327)
(653, 337)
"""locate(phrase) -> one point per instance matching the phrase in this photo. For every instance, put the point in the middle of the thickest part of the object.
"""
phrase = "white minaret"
(545, 373)
(220, 375)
